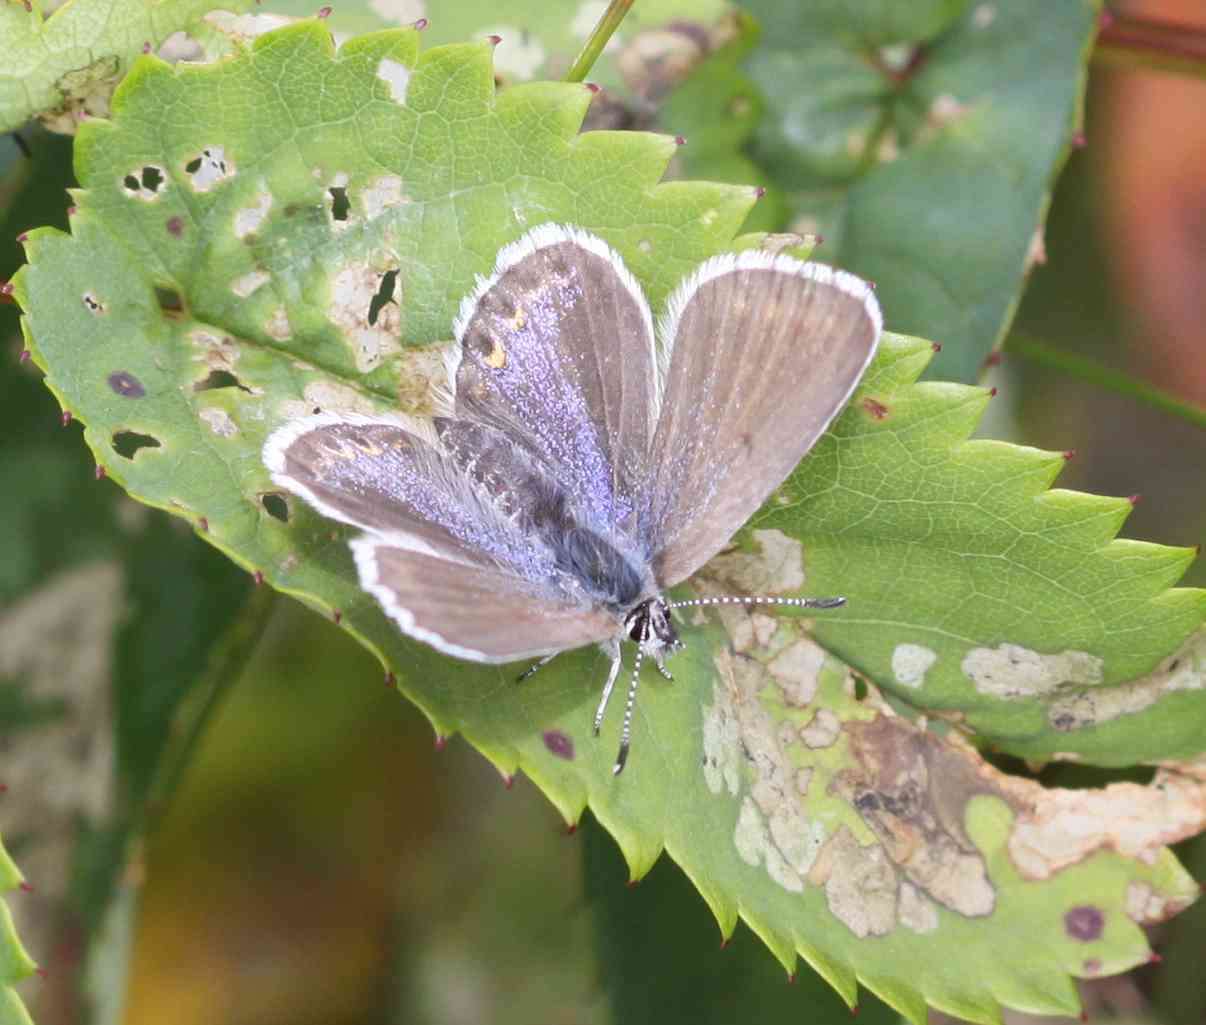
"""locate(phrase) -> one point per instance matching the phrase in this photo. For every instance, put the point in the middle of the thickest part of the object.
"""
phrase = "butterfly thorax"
(600, 568)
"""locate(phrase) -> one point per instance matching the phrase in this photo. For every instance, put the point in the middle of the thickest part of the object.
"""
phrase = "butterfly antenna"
(754, 599)
(626, 731)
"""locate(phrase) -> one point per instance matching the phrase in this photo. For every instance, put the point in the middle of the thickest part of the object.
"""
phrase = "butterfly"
(584, 462)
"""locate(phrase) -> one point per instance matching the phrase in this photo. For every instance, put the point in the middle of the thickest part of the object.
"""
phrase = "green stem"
(1103, 377)
(616, 10)
(1131, 42)
(226, 662)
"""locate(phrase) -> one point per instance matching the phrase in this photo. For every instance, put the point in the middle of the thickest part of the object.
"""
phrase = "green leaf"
(64, 67)
(15, 964)
(237, 224)
(659, 950)
(922, 141)
(656, 43)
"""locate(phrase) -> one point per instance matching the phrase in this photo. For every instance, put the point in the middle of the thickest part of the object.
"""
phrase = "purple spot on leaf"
(1084, 923)
(175, 226)
(126, 384)
(559, 744)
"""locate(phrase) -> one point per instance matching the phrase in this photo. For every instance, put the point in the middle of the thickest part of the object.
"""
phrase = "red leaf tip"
(592, 87)
(421, 24)
(494, 40)
(1133, 499)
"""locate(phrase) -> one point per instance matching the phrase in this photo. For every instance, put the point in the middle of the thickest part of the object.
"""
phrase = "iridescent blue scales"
(584, 462)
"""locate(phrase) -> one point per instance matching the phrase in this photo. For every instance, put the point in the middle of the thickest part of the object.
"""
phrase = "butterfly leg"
(661, 668)
(613, 650)
(534, 666)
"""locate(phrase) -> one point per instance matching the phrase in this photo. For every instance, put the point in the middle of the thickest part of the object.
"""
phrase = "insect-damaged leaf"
(226, 271)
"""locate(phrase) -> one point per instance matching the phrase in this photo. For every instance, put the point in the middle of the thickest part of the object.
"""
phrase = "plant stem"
(1132, 42)
(616, 10)
(226, 662)
(1103, 377)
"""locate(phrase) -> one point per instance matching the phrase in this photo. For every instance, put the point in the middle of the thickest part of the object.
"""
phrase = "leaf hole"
(145, 183)
(275, 506)
(127, 444)
(216, 379)
(340, 204)
(193, 166)
(860, 689)
(385, 294)
(170, 301)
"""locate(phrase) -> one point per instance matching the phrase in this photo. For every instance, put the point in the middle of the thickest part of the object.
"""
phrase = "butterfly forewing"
(557, 353)
(764, 351)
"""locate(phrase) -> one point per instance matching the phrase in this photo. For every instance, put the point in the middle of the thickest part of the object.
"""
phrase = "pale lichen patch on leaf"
(917, 911)
(249, 218)
(245, 284)
(1058, 828)
(775, 567)
(860, 884)
(1146, 906)
(423, 380)
(910, 663)
(772, 828)
(277, 325)
(1011, 671)
(1184, 670)
(396, 77)
(822, 730)
(219, 352)
(218, 421)
(372, 337)
(325, 396)
(382, 194)
(721, 743)
(797, 670)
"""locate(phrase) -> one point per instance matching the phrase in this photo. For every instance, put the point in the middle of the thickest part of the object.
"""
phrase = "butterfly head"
(650, 626)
